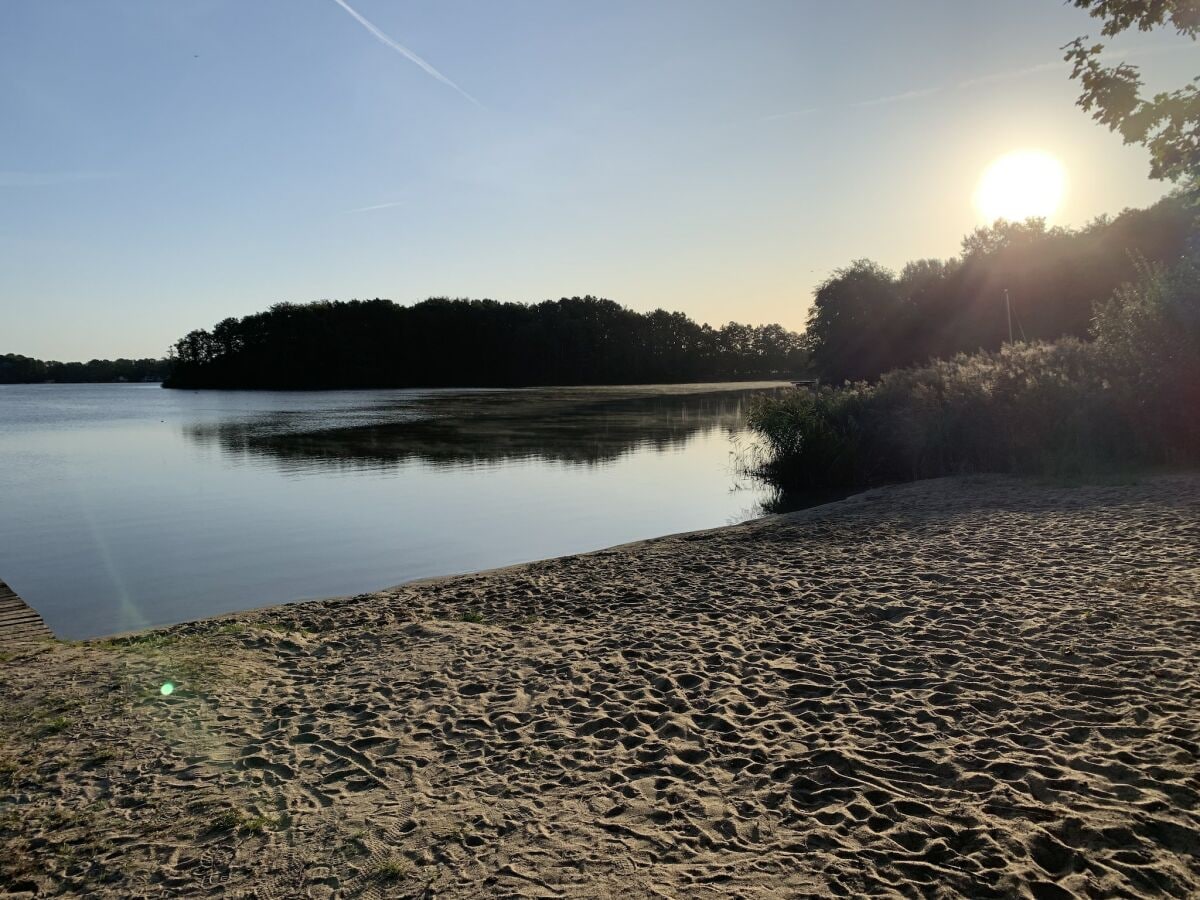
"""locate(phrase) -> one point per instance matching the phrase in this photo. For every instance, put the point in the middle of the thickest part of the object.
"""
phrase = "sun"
(1019, 185)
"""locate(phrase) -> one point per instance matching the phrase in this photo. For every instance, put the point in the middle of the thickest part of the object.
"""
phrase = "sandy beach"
(982, 687)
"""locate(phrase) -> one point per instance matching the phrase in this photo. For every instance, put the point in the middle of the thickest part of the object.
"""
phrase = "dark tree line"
(477, 343)
(865, 320)
(16, 369)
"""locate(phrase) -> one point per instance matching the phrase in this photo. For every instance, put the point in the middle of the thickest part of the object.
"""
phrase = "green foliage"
(1167, 124)
(866, 321)
(472, 616)
(1150, 335)
(1120, 15)
(478, 343)
(1060, 408)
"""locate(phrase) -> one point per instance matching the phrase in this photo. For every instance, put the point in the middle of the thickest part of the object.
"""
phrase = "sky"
(167, 164)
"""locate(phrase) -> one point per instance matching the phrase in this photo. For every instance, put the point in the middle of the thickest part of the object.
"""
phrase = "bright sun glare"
(1019, 185)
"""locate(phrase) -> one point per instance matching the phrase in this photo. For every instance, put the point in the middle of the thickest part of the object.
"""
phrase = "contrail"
(375, 206)
(1012, 74)
(1108, 55)
(897, 98)
(403, 51)
(40, 179)
(994, 77)
(878, 101)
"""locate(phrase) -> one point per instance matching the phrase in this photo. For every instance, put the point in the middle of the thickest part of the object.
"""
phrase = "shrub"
(1128, 398)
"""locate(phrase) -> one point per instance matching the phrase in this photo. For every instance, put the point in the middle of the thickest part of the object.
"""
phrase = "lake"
(128, 506)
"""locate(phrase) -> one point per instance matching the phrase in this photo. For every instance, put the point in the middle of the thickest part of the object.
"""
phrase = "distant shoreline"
(766, 382)
(524, 386)
(157, 381)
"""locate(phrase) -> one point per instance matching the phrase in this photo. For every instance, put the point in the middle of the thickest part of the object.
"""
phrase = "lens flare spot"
(167, 689)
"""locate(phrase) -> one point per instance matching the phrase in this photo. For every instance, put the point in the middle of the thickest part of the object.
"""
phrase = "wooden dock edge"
(20, 625)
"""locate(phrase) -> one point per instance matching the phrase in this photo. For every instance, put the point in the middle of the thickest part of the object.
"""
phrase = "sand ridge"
(978, 687)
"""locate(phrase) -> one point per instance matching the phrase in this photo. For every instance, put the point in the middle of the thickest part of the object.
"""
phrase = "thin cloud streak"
(403, 51)
(41, 179)
(360, 209)
(877, 101)
(1108, 55)
(1012, 74)
(896, 98)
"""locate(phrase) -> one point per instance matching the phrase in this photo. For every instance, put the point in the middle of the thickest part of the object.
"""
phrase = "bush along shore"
(1128, 398)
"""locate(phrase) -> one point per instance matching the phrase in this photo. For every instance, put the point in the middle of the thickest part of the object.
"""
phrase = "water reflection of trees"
(575, 426)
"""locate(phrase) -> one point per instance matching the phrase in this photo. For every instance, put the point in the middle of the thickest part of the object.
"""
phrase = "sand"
(977, 687)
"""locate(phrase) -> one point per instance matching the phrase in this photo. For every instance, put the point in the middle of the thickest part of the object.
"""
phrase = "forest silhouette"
(17, 369)
(474, 343)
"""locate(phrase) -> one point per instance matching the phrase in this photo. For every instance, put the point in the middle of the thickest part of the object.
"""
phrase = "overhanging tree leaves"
(1167, 124)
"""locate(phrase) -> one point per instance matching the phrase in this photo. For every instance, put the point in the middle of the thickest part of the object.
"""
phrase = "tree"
(863, 322)
(1167, 124)
(854, 322)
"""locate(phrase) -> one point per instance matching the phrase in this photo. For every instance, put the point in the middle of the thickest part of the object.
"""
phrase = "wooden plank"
(20, 625)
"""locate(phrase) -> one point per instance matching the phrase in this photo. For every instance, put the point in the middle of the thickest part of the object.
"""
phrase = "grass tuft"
(236, 821)
(390, 869)
(55, 725)
(146, 640)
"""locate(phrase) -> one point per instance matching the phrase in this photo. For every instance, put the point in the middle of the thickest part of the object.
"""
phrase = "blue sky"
(167, 164)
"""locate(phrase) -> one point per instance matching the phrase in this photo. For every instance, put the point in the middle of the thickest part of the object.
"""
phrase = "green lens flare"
(167, 689)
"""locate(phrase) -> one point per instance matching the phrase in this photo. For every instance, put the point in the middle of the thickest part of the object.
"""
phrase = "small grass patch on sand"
(281, 629)
(472, 616)
(46, 714)
(241, 823)
(257, 824)
(55, 725)
(355, 843)
(146, 640)
(253, 625)
(390, 869)
(100, 757)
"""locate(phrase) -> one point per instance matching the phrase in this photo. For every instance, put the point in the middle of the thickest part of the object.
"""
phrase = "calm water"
(125, 506)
